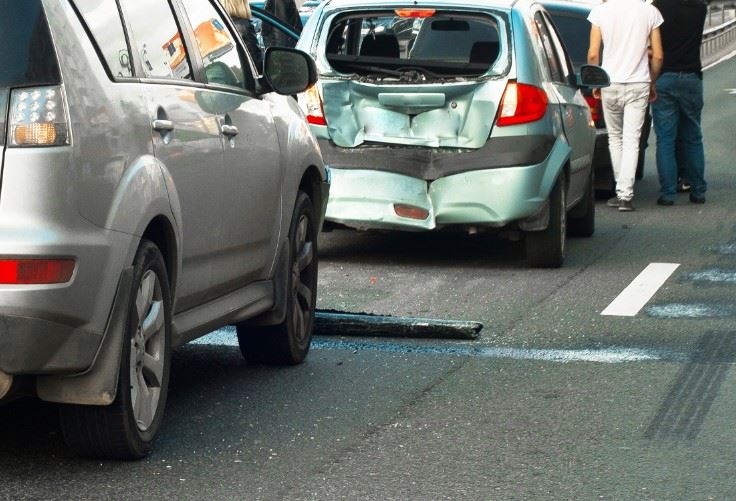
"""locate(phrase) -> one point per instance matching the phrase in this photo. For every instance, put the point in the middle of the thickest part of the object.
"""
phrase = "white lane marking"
(641, 290)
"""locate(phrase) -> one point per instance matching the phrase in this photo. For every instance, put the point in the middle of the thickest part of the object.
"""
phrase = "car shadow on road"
(29, 428)
(215, 399)
(440, 249)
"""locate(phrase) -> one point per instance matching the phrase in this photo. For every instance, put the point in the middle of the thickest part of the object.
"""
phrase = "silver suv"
(154, 187)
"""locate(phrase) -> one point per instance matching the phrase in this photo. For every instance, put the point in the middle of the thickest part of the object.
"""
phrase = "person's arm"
(594, 47)
(656, 60)
(594, 52)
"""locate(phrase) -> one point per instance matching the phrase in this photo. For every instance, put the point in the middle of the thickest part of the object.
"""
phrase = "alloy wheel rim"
(302, 281)
(147, 348)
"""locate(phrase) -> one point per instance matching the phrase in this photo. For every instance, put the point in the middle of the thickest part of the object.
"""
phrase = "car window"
(562, 54)
(157, 40)
(27, 56)
(433, 44)
(223, 64)
(102, 19)
(575, 33)
(555, 68)
(270, 34)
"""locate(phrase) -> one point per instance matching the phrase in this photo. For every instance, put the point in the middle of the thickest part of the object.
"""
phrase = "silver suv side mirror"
(289, 71)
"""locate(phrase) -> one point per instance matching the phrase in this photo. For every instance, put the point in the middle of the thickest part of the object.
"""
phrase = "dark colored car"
(571, 21)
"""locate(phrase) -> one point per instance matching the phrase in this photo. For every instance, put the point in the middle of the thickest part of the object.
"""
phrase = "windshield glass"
(28, 55)
(414, 47)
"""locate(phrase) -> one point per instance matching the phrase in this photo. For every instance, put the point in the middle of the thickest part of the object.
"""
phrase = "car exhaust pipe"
(6, 382)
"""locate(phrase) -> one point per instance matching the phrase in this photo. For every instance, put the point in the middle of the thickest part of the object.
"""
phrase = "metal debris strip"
(337, 323)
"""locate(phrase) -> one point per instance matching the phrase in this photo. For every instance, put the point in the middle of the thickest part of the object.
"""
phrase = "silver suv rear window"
(102, 19)
(389, 44)
(27, 57)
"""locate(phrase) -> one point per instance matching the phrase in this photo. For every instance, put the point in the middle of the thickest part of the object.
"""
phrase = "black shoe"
(683, 186)
(696, 199)
(613, 202)
(625, 206)
(665, 202)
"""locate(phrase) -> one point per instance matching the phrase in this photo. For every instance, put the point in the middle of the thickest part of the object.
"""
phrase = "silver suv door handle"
(229, 130)
(163, 125)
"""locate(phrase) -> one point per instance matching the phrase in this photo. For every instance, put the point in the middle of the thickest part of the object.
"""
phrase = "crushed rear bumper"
(492, 197)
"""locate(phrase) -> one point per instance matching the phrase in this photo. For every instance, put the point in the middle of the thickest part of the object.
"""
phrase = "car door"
(272, 30)
(252, 155)
(186, 138)
(574, 110)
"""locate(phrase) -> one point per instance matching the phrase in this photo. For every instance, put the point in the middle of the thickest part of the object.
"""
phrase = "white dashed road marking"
(641, 290)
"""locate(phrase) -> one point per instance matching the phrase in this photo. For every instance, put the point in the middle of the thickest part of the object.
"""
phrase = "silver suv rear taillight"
(38, 117)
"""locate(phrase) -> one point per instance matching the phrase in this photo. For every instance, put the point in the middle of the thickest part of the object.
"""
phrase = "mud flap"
(538, 222)
(281, 284)
(97, 386)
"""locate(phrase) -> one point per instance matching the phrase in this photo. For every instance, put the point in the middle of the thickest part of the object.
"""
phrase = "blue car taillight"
(521, 104)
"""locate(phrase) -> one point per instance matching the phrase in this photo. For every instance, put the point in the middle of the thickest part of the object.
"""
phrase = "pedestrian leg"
(636, 101)
(665, 111)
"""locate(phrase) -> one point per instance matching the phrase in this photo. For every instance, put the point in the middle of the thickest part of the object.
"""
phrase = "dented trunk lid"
(452, 115)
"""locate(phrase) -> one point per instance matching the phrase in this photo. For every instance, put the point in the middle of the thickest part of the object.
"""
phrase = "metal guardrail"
(717, 39)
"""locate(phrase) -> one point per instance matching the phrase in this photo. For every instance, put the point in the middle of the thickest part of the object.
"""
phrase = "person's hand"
(597, 93)
(652, 92)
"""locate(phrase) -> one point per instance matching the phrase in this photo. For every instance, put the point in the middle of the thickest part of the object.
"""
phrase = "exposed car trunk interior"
(414, 77)
(414, 46)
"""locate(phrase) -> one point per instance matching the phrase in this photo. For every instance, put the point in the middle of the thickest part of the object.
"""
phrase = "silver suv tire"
(126, 428)
(288, 342)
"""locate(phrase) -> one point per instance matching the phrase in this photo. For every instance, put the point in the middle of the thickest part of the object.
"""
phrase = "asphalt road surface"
(553, 401)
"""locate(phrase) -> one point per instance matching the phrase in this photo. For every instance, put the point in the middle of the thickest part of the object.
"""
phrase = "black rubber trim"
(433, 163)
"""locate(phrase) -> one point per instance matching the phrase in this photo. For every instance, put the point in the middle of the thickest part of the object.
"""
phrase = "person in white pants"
(627, 29)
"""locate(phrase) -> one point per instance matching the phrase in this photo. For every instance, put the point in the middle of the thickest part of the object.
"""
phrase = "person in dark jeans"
(239, 10)
(679, 105)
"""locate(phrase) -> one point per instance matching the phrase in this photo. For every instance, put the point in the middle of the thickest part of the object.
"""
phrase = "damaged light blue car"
(453, 114)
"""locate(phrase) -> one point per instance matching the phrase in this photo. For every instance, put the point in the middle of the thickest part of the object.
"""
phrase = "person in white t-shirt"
(626, 29)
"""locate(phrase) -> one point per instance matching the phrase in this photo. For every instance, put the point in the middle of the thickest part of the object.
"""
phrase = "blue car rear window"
(444, 44)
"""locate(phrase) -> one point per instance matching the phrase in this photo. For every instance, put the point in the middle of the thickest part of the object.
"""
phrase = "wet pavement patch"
(728, 249)
(337, 323)
(711, 276)
(606, 355)
(681, 415)
(609, 355)
(689, 310)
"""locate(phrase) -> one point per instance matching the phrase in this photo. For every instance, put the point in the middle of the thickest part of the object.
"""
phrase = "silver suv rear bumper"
(57, 329)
